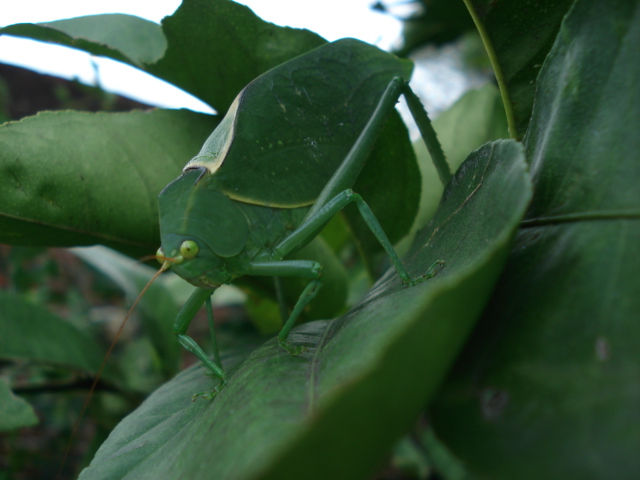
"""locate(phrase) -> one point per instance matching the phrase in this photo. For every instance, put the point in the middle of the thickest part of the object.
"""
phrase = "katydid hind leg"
(346, 175)
(348, 171)
(429, 136)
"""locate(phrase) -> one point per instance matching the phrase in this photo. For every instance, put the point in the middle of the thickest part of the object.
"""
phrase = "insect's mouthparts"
(164, 260)
(208, 283)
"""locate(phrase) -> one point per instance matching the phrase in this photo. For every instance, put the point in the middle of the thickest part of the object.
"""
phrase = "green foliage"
(57, 191)
(518, 36)
(15, 412)
(288, 409)
(546, 387)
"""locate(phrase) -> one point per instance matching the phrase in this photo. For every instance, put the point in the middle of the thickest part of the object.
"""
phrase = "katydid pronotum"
(249, 173)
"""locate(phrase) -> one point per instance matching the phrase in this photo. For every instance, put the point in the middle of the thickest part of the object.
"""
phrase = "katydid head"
(200, 227)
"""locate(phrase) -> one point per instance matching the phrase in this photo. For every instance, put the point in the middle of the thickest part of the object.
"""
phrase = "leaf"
(33, 334)
(363, 377)
(548, 386)
(15, 412)
(71, 178)
(519, 35)
(211, 49)
(217, 47)
(126, 38)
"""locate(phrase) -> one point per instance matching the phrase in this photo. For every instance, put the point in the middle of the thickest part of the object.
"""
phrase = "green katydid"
(250, 198)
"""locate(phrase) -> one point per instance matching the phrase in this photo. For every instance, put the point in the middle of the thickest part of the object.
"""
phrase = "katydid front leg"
(281, 268)
(186, 314)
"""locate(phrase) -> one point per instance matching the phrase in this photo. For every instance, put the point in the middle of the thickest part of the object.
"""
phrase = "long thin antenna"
(164, 267)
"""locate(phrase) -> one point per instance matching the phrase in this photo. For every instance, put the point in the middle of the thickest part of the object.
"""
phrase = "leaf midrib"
(581, 217)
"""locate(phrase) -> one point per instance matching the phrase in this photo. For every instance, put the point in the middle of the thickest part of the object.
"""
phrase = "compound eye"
(189, 249)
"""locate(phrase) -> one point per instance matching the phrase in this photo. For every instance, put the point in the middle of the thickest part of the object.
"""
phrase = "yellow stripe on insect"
(215, 149)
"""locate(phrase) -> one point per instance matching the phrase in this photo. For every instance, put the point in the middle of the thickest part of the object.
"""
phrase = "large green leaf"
(218, 47)
(31, 333)
(337, 409)
(518, 36)
(125, 38)
(15, 412)
(549, 386)
(211, 49)
(71, 178)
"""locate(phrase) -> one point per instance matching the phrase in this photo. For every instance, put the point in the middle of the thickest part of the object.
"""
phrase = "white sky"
(333, 19)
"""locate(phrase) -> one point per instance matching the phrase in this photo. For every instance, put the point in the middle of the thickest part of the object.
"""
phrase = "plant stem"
(497, 69)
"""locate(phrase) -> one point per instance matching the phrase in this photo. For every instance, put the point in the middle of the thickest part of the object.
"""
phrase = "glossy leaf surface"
(548, 387)
(59, 170)
(383, 359)
(126, 38)
(15, 412)
(33, 334)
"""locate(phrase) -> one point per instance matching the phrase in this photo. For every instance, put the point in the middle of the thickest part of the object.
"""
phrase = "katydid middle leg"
(309, 229)
(297, 268)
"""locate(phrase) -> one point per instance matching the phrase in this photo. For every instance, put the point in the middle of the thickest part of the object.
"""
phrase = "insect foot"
(293, 350)
(431, 272)
(212, 394)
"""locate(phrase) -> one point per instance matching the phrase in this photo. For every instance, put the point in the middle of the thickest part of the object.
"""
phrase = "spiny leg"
(375, 227)
(348, 171)
(429, 136)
